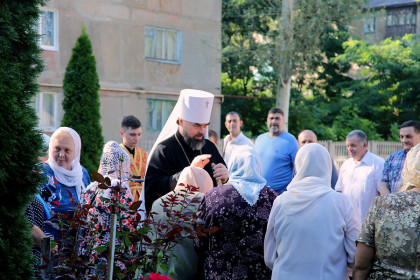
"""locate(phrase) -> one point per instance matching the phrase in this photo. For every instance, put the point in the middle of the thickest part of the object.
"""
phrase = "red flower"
(56, 203)
(156, 276)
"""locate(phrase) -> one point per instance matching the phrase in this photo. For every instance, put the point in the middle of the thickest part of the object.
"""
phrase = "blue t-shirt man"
(277, 150)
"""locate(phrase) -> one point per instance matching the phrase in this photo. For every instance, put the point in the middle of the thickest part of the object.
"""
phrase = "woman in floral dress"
(389, 243)
(115, 164)
(240, 209)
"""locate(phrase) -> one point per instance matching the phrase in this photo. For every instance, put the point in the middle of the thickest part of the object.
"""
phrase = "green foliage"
(389, 91)
(20, 142)
(253, 110)
(81, 101)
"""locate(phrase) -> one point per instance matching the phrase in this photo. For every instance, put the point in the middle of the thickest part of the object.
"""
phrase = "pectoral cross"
(207, 104)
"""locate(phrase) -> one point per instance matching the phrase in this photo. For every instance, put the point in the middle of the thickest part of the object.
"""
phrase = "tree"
(81, 101)
(296, 36)
(284, 37)
(389, 89)
(253, 109)
(20, 142)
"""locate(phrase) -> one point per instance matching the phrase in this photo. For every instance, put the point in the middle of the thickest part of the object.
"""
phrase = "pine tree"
(81, 101)
(20, 142)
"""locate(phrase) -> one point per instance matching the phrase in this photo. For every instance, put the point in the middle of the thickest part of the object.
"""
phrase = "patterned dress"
(392, 227)
(57, 196)
(35, 215)
(100, 225)
(235, 251)
(115, 164)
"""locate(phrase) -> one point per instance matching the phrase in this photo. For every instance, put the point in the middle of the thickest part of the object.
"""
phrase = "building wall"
(357, 25)
(127, 79)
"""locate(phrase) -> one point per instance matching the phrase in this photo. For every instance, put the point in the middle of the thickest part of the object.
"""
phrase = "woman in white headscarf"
(312, 229)
(66, 178)
(240, 210)
(182, 264)
(389, 243)
(115, 164)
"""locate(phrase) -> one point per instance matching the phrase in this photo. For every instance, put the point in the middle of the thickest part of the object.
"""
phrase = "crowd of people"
(281, 208)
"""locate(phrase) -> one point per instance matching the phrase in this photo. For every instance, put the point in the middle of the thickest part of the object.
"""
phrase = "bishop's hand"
(220, 173)
(201, 161)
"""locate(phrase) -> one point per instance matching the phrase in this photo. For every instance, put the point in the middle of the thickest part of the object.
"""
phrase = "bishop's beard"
(195, 144)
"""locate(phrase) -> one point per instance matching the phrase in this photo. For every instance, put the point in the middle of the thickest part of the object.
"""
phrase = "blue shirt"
(392, 170)
(277, 157)
(57, 197)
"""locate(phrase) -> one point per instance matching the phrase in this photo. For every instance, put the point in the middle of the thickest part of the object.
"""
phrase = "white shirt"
(230, 144)
(316, 243)
(361, 181)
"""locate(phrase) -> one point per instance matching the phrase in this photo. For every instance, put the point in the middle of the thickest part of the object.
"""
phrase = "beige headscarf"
(411, 170)
(196, 177)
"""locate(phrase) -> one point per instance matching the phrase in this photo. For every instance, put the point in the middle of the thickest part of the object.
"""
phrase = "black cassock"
(167, 162)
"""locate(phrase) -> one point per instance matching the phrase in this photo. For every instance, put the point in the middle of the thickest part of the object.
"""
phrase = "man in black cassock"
(187, 147)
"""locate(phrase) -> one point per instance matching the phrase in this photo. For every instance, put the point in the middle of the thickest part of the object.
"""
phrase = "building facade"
(146, 52)
(383, 19)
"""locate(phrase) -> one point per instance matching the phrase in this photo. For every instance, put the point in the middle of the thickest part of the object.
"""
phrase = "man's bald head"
(306, 137)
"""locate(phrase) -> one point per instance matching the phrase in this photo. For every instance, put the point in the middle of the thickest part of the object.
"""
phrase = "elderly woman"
(389, 244)
(183, 261)
(312, 229)
(66, 178)
(240, 209)
(115, 164)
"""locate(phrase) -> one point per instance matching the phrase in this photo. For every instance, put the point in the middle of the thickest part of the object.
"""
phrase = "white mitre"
(195, 106)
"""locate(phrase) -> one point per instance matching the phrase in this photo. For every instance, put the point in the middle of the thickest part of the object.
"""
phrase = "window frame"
(38, 103)
(164, 115)
(372, 21)
(178, 44)
(39, 27)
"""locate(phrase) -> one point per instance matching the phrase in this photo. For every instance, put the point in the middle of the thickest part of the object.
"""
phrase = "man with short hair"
(235, 138)
(131, 132)
(182, 143)
(308, 136)
(391, 176)
(213, 137)
(360, 175)
(277, 150)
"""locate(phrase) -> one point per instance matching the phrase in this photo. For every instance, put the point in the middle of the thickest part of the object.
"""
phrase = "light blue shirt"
(277, 156)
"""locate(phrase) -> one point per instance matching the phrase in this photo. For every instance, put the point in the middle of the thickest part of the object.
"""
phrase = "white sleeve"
(339, 184)
(353, 226)
(270, 248)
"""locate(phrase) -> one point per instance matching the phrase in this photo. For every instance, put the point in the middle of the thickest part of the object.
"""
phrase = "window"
(162, 44)
(400, 21)
(158, 112)
(48, 29)
(370, 25)
(46, 107)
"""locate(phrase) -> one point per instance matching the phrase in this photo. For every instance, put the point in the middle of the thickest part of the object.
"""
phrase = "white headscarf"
(312, 180)
(411, 170)
(73, 177)
(115, 164)
(197, 177)
(245, 173)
